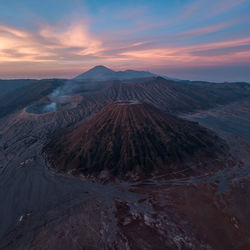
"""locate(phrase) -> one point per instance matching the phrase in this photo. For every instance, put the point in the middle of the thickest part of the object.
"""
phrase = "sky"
(186, 39)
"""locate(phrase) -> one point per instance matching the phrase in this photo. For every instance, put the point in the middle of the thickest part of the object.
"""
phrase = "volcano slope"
(170, 96)
(42, 209)
(128, 140)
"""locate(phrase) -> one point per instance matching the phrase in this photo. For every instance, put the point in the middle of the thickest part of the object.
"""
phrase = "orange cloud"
(63, 46)
(18, 45)
(48, 44)
(76, 36)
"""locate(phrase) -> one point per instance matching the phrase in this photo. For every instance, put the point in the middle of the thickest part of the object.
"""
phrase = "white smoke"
(52, 107)
(67, 89)
(60, 96)
(56, 96)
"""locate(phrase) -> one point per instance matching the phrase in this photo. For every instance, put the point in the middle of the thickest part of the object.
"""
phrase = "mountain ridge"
(101, 72)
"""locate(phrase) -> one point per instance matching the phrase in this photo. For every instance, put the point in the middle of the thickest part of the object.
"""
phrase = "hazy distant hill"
(104, 73)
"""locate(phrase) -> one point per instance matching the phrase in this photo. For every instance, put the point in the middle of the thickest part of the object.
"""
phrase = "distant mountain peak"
(101, 67)
(101, 72)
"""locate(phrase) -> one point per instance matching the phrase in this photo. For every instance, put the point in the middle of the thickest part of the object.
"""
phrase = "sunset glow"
(64, 38)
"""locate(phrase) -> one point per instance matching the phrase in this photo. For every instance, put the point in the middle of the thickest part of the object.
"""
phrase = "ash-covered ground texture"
(130, 140)
(124, 160)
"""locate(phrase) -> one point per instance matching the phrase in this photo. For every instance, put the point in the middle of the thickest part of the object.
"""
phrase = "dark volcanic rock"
(31, 92)
(128, 138)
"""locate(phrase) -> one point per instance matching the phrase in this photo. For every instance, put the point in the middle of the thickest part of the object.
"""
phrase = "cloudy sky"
(187, 39)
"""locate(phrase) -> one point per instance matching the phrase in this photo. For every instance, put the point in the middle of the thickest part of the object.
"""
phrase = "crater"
(42, 108)
(127, 102)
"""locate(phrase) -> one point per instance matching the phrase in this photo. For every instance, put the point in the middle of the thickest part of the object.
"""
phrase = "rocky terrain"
(43, 208)
(128, 139)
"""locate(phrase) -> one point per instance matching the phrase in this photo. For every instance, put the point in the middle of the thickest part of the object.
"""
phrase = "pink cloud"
(205, 30)
(72, 46)
(186, 54)
(47, 44)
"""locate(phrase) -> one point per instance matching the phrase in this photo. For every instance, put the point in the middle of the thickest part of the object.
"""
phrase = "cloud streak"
(72, 44)
(53, 44)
